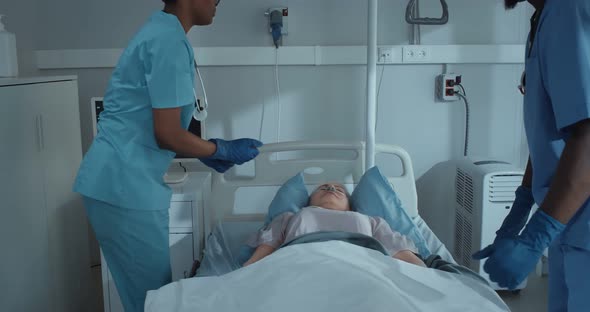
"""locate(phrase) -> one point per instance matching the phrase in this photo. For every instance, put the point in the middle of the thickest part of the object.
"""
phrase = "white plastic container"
(8, 56)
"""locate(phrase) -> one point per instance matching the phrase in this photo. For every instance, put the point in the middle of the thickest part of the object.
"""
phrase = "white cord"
(278, 85)
(262, 121)
(378, 91)
(278, 90)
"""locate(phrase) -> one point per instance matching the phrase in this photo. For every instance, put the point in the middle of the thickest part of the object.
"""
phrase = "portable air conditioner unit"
(484, 193)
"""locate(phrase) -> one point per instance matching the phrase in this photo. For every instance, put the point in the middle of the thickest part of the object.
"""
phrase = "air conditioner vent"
(460, 186)
(459, 237)
(463, 239)
(502, 187)
(464, 186)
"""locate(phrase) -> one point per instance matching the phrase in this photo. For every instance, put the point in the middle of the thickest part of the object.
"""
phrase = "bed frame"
(270, 170)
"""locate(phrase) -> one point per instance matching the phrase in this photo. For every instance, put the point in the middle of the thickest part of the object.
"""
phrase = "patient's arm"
(410, 257)
(261, 252)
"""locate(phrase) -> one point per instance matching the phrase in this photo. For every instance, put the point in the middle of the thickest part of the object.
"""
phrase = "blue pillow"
(375, 197)
(291, 197)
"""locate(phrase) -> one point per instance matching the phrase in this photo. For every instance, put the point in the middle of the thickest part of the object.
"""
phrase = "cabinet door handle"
(38, 132)
(42, 133)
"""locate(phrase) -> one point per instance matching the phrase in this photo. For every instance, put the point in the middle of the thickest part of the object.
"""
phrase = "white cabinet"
(181, 255)
(186, 234)
(44, 263)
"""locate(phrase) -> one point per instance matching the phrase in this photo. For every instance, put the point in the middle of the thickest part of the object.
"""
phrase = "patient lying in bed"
(329, 210)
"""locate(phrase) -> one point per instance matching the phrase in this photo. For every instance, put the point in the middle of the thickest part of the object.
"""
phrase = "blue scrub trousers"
(135, 244)
(569, 278)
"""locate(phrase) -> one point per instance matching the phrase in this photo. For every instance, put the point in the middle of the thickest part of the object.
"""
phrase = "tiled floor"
(531, 299)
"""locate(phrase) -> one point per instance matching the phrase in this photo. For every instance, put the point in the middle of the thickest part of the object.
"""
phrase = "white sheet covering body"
(327, 276)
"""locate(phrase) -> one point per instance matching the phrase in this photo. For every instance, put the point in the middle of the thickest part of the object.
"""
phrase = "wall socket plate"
(385, 55)
(446, 88)
(416, 54)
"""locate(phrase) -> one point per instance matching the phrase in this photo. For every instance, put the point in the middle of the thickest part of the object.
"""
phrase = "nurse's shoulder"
(161, 28)
(161, 35)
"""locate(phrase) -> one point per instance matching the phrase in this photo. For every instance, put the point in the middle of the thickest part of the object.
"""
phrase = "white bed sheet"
(316, 277)
(434, 244)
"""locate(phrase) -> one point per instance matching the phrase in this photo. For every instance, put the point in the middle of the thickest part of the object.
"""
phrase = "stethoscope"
(200, 112)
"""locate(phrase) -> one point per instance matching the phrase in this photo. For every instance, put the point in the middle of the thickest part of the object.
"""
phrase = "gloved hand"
(236, 151)
(513, 259)
(220, 166)
(514, 221)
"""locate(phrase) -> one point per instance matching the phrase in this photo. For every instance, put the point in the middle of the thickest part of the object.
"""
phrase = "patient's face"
(330, 196)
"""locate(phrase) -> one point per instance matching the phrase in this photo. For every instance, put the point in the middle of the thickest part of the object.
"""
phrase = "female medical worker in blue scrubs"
(148, 107)
(557, 121)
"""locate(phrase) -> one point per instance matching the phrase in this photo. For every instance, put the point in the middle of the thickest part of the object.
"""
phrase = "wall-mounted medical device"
(278, 23)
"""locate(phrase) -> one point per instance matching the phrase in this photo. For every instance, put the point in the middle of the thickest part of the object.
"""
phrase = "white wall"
(328, 101)
(21, 20)
(324, 102)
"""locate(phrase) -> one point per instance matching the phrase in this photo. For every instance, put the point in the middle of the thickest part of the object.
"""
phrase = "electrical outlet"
(385, 55)
(285, 13)
(416, 54)
(446, 86)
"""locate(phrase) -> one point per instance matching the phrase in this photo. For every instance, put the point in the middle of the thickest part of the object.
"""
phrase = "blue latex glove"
(220, 166)
(514, 221)
(236, 151)
(513, 259)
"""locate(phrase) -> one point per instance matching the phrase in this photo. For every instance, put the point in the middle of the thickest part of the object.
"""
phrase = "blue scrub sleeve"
(566, 61)
(169, 66)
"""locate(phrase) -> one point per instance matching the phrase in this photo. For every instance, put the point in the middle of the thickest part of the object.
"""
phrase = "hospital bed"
(291, 278)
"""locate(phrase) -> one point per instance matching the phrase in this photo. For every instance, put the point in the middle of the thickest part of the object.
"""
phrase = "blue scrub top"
(558, 96)
(124, 166)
